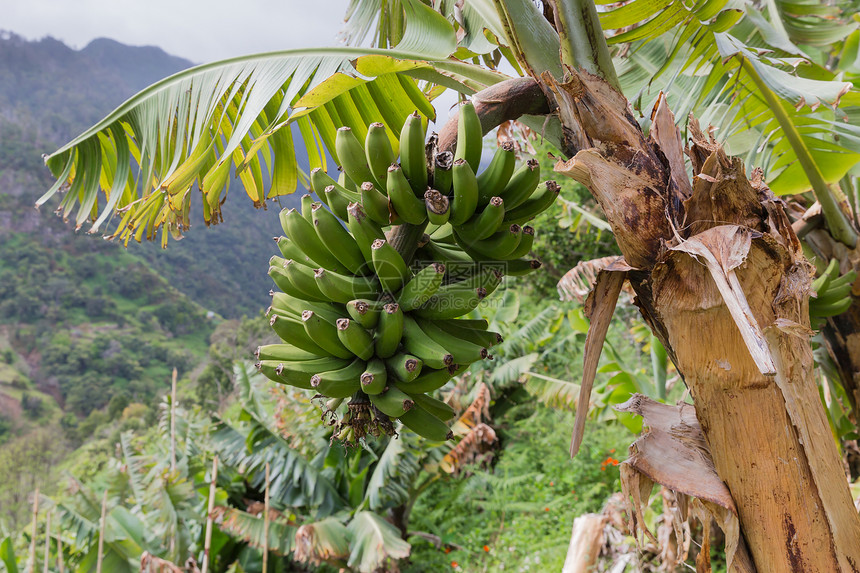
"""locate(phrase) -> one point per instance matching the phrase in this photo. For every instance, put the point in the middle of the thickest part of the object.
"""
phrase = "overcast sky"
(199, 30)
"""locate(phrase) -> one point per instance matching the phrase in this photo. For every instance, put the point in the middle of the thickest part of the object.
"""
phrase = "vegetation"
(706, 247)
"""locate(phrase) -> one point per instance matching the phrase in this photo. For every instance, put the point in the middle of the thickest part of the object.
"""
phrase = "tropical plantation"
(554, 286)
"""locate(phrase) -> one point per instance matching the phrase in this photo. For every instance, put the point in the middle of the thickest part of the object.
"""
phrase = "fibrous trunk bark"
(722, 281)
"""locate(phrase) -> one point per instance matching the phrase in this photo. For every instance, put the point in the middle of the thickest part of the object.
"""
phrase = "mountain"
(89, 330)
(49, 93)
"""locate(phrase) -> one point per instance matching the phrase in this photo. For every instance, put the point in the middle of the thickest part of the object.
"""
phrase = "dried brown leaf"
(599, 308)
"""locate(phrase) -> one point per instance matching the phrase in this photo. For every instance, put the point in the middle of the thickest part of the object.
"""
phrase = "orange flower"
(454, 564)
(612, 451)
(487, 548)
(546, 509)
(447, 550)
(551, 484)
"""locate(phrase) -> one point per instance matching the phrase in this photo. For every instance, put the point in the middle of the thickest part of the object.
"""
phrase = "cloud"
(199, 30)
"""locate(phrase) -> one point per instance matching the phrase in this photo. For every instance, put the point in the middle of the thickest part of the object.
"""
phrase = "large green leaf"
(394, 474)
(374, 542)
(252, 530)
(767, 98)
(191, 127)
(7, 555)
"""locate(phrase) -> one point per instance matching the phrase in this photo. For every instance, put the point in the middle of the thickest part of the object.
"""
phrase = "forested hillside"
(49, 93)
(88, 328)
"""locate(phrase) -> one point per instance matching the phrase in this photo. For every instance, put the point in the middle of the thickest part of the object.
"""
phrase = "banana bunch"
(833, 294)
(358, 320)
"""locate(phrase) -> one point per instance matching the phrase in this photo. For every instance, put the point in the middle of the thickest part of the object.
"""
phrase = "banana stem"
(583, 45)
(404, 238)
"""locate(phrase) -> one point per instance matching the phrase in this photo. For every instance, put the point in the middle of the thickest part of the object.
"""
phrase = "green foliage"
(519, 508)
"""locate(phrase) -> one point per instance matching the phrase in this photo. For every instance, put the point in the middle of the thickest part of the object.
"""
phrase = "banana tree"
(708, 248)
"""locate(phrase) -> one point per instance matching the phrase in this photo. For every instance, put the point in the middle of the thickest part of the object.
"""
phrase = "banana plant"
(706, 241)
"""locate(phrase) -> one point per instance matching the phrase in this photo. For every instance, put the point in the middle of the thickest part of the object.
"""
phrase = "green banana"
(364, 312)
(283, 353)
(483, 224)
(392, 402)
(319, 180)
(285, 303)
(340, 383)
(412, 157)
(283, 282)
(448, 254)
(460, 328)
(375, 378)
(831, 272)
(363, 229)
(338, 200)
(463, 351)
(330, 230)
(522, 184)
(302, 234)
(389, 330)
(421, 287)
(293, 332)
(375, 204)
(417, 343)
(355, 338)
(832, 309)
(428, 381)
(492, 181)
(525, 246)
(470, 136)
(290, 250)
(834, 292)
(404, 367)
(539, 202)
(324, 334)
(344, 181)
(298, 373)
(407, 206)
(307, 206)
(438, 408)
(465, 192)
(352, 158)
(452, 301)
(442, 233)
(302, 278)
(426, 424)
(443, 175)
(390, 267)
(378, 152)
(437, 206)
(521, 267)
(342, 288)
(276, 261)
(501, 244)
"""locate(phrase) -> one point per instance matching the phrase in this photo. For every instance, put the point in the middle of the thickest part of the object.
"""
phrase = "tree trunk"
(723, 283)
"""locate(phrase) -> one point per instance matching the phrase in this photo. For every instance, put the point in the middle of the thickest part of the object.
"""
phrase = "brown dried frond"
(476, 413)
(476, 446)
(151, 564)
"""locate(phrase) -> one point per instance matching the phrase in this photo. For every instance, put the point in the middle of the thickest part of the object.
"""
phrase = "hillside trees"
(707, 246)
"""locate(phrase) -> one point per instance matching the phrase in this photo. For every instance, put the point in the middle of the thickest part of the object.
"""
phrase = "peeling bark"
(723, 283)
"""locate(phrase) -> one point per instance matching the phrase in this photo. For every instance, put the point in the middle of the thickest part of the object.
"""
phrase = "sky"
(198, 30)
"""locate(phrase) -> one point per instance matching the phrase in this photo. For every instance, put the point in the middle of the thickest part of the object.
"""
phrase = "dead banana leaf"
(578, 282)
(599, 308)
(477, 412)
(480, 441)
(673, 452)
